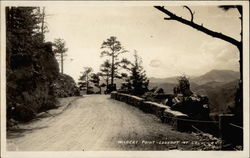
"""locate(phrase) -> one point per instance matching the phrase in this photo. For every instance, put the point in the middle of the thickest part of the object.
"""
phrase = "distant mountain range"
(219, 85)
(211, 76)
(222, 76)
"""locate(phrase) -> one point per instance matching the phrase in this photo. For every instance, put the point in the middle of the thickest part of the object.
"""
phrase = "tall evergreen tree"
(113, 49)
(60, 50)
(137, 81)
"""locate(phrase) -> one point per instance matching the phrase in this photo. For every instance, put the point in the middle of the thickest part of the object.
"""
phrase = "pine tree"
(60, 50)
(137, 81)
(113, 48)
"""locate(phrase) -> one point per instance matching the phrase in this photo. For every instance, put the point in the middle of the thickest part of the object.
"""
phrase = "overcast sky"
(168, 48)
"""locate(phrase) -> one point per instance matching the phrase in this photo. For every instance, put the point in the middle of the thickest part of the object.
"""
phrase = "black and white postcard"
(124, 79)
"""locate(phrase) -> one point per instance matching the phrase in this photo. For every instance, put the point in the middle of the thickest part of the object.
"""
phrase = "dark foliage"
(183, 87)
(184, 100)
(31, 66)
(137, 81)
(85, 79)
(95, 79)
(106, 72)
(65, 86)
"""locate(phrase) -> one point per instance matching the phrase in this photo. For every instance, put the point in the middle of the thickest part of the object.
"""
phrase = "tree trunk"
(241, 46)
(62, 63)
(87, 84)
(112, 70)
(8, 25)
(107, 82)
(42, 27)
(100, 89)
(239, 101)
(241, 63)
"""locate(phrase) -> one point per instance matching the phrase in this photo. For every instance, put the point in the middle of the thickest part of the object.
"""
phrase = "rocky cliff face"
(32, 70)
(34, 87)
(29, 84)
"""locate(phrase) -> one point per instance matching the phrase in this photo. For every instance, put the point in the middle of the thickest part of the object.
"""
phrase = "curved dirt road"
(98, 123)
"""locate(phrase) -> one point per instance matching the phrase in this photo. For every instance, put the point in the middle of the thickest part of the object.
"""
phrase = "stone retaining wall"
(174, 118)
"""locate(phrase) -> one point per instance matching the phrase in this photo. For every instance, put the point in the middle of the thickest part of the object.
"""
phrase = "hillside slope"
(221, 95)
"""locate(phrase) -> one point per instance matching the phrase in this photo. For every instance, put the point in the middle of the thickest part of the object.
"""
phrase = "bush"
(65, 86)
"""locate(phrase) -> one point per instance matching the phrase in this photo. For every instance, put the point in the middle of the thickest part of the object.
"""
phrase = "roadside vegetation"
(32, 71)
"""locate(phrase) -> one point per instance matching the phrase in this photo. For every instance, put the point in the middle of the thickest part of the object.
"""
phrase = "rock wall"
(163, 112)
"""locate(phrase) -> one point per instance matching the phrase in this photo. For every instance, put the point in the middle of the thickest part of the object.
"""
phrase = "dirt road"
(97, 123)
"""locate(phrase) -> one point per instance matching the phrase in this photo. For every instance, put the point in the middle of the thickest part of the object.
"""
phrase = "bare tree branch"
(191, 13)
(231, 40)
(168, 19)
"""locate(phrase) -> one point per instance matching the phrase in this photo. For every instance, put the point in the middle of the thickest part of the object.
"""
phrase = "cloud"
(220, 55)
(155, 63)
(174, 48)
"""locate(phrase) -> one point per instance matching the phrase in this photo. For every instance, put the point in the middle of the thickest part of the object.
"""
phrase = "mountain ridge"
(210, 76)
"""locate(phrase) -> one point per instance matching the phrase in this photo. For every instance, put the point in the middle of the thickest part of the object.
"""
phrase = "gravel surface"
(94, 123)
